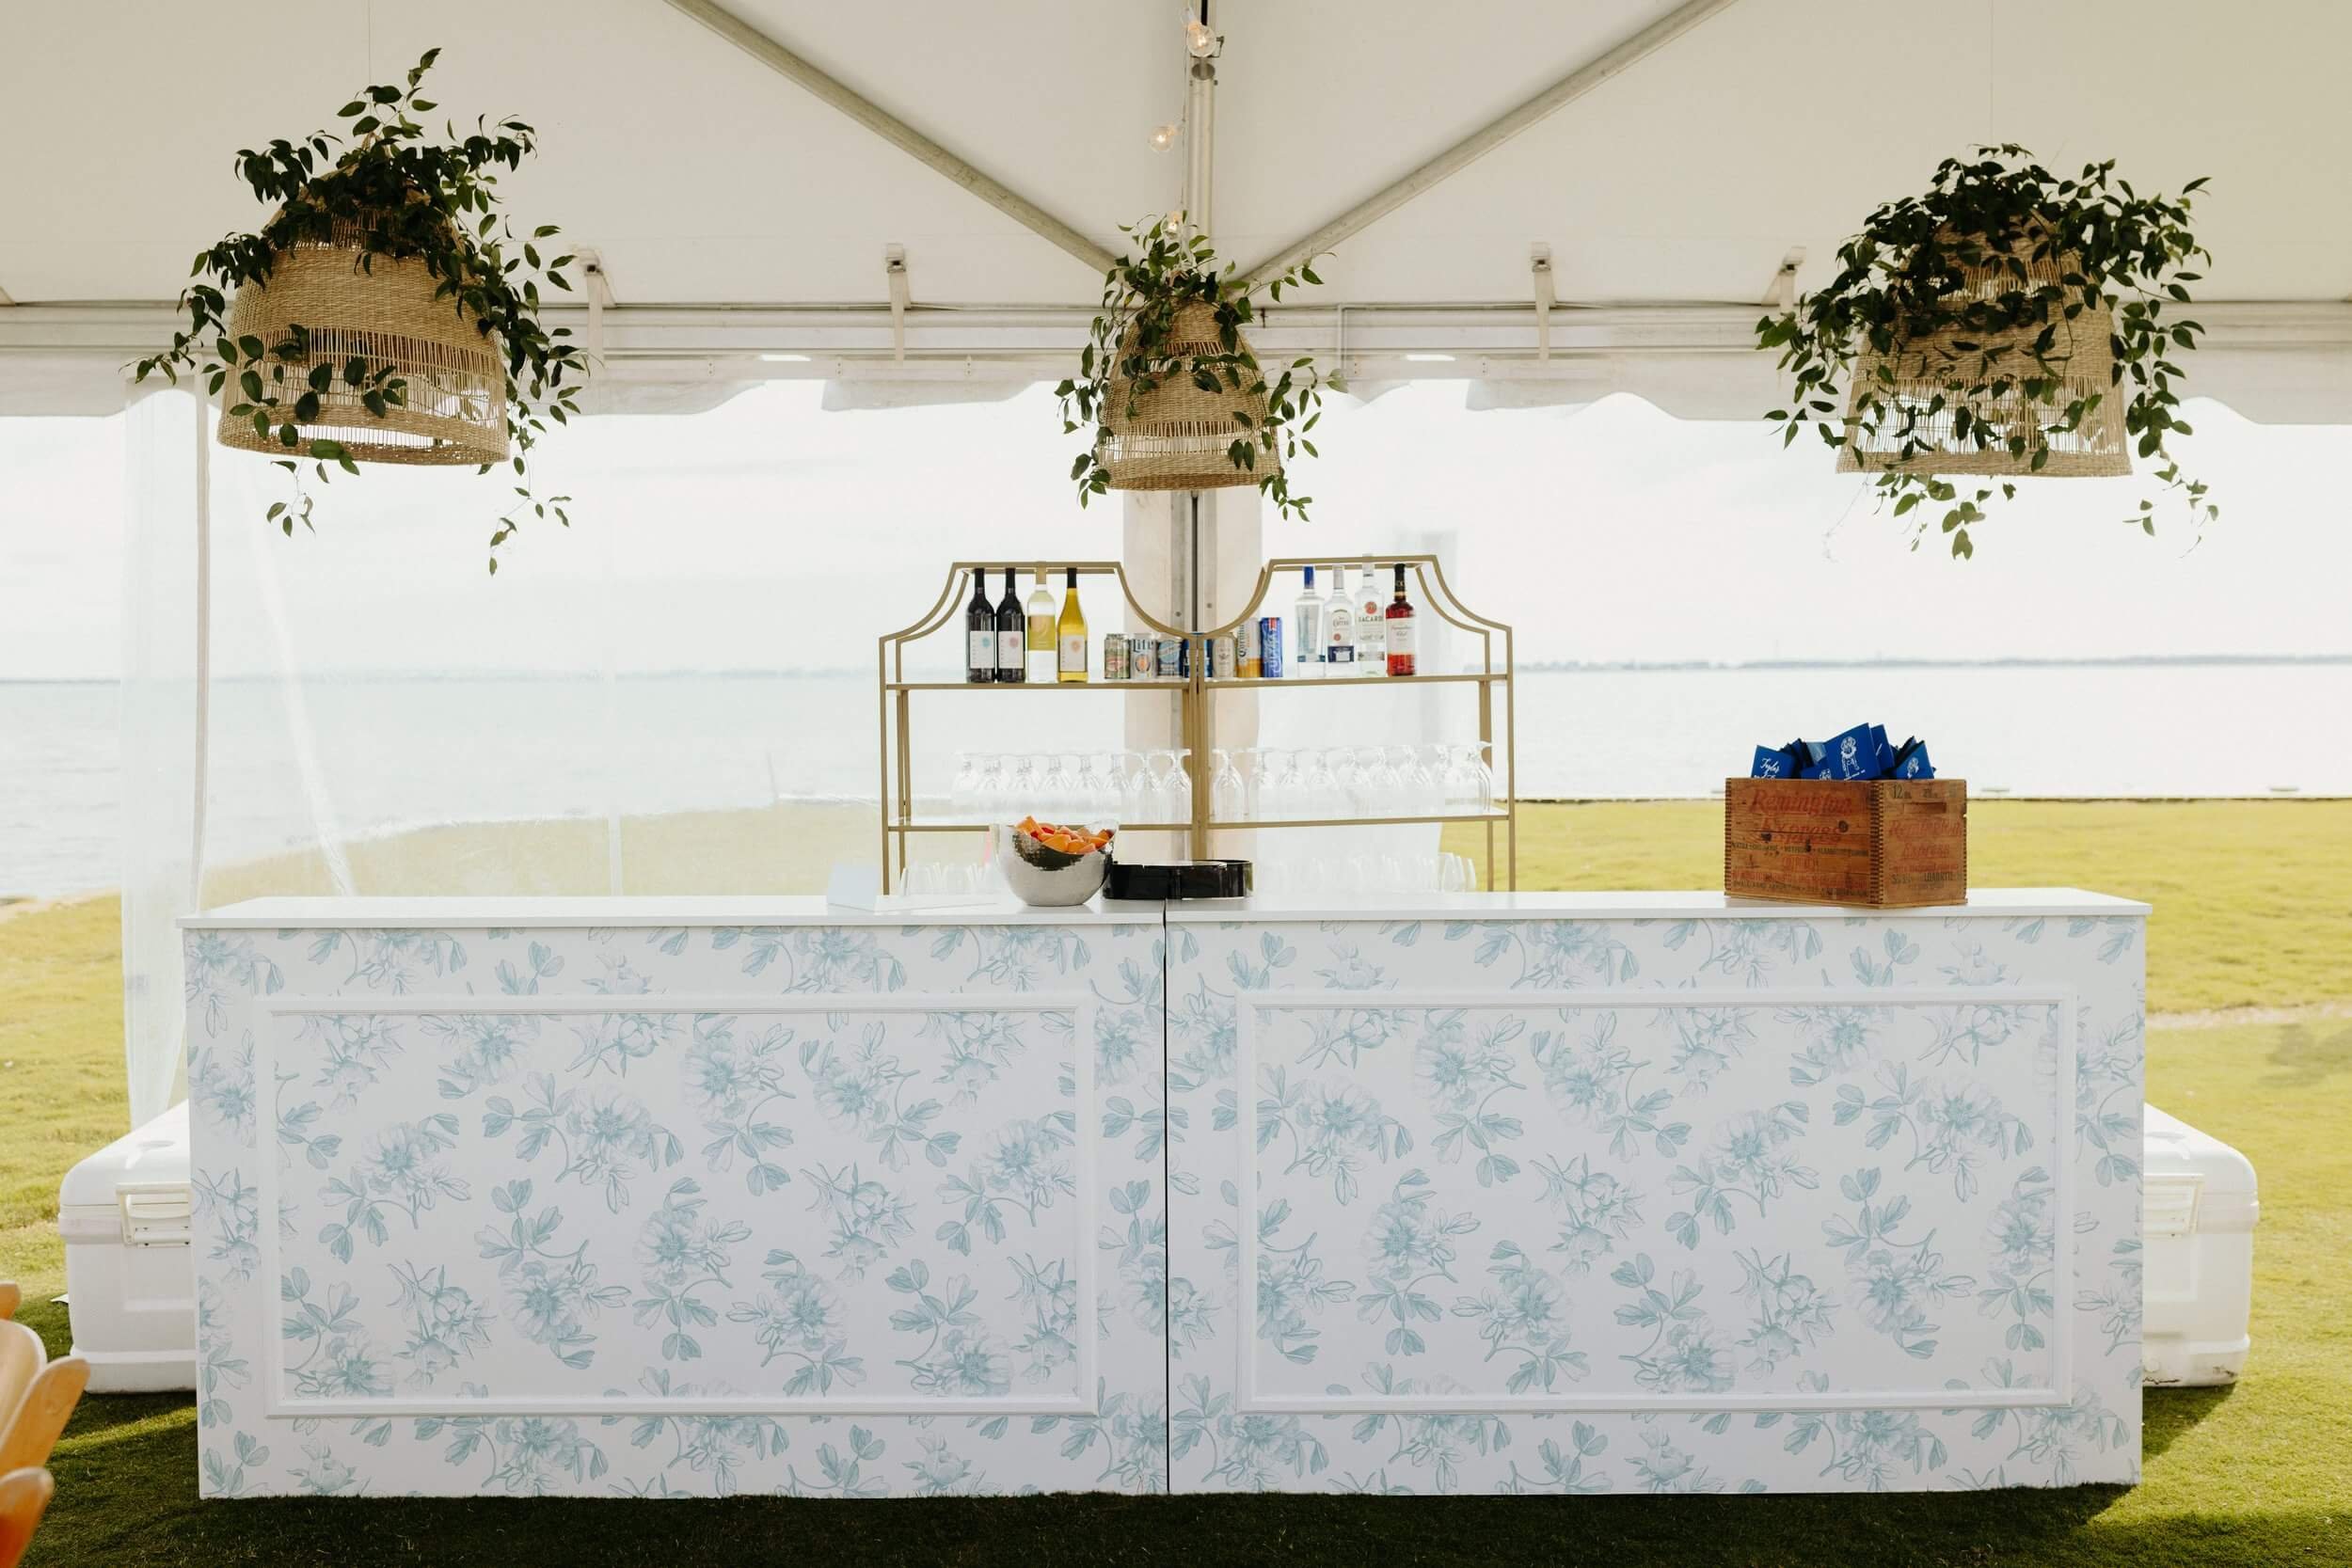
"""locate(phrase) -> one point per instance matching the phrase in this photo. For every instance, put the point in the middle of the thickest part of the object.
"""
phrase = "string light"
(1163, 136)
(1201, 38)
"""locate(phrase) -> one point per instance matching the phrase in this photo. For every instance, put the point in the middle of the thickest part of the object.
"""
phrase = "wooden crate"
(1875, 841)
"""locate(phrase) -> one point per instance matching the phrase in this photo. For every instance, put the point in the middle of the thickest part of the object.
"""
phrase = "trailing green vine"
(405, 194)
(1905, 278)
(1133, 339)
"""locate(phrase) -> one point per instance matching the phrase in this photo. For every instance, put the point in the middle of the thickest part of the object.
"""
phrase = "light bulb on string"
(1200, 40)
(1163, 137)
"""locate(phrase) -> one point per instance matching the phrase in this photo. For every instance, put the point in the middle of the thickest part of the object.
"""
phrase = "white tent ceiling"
(705, 178)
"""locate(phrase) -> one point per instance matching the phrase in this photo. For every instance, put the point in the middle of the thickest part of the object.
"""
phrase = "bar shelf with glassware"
(1195, 691)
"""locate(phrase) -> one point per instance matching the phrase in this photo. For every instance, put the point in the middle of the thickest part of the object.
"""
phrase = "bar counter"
(1507, 1193)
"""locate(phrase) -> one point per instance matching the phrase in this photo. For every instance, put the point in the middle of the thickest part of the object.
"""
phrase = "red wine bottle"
(1400, 629)
(979, 627)
(1012, 632)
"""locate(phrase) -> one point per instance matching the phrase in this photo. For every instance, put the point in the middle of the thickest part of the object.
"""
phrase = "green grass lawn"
(2252, 914)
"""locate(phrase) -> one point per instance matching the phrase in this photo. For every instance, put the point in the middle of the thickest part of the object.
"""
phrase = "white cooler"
(130, 1276)
(2197, 1217)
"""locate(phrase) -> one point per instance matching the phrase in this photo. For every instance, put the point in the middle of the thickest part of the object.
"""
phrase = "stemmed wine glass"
(1179, 797)
(989, 795)
(1135, 787)
(963, 791)
(1100, 782)
(1064, 791)
(1229, 799)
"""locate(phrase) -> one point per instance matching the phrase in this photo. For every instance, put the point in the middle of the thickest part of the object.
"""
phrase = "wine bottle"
(1400, 629)
(1011, 636)
(979, 627)
(1040, 627)
(1338, 624)
(1070, 634)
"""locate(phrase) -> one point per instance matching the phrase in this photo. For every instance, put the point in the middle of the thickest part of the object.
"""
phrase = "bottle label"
(1401, 638)
(1074, 654)
(983, 652)
(1342, 629)
(1008, 650)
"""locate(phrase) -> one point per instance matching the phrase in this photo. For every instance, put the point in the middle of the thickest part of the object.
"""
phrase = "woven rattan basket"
(1923, 367)
(1178, 436)
(385, 312)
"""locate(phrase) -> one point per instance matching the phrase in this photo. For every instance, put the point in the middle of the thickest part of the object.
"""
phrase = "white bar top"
(2000, 903)
(540, 912)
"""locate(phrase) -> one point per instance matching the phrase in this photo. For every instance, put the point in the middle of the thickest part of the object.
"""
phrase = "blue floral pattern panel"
(823, 1210)
(1760, 1204)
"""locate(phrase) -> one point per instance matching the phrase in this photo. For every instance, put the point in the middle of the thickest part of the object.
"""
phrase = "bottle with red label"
(1400, 629)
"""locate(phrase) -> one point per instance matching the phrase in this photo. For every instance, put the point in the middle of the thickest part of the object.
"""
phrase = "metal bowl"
(1048, 878)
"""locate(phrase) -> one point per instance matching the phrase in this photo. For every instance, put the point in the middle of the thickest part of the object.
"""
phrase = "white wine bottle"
(1039, 632)
(1070, 634)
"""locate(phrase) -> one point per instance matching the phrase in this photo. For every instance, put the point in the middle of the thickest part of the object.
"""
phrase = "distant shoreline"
(2107, 661)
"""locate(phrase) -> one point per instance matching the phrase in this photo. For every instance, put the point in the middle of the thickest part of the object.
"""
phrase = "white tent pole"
(896, 132)
(1477, 145)
(203, 647)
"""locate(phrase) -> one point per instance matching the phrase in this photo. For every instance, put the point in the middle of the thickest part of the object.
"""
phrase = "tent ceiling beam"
(896, 132)
(1475, 146)
(122, 332)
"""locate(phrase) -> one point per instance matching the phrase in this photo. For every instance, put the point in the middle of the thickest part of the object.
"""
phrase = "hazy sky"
(768, 534)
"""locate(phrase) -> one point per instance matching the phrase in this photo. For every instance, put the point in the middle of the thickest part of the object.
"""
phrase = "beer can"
(1142, 658)
(1170, 657)
(1221, 659)
(1114, 656)
(1270, 646)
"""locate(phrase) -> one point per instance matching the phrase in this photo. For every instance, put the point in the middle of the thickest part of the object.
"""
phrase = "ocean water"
(366, 756)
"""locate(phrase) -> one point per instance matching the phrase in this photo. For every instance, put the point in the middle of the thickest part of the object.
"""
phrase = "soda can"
(1170, 657)
(1142, 658)
(1221, 658)
(1114, 656)
(1270, 646)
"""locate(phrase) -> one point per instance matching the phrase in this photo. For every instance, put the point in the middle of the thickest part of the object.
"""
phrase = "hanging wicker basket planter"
(384, 310)
(1949, 359)
(1180, 435)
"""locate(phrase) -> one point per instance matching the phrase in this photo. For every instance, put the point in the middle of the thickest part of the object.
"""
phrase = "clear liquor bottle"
(1339, 625)
(1307, 631)
(1371, 628)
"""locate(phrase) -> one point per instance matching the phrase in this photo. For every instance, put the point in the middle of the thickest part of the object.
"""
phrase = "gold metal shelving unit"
(1196, 708)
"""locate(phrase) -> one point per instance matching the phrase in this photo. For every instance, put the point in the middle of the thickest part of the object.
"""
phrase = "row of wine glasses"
(1276, 784)
(1361, 872)
(1133, 787)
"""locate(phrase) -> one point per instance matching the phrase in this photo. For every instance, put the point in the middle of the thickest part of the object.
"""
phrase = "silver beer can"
(1114, 656)
(1221, 657)
(1171, 659)
(1142, 658)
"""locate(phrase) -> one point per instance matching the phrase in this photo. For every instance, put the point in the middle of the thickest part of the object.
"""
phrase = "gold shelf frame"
(1197, 710)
